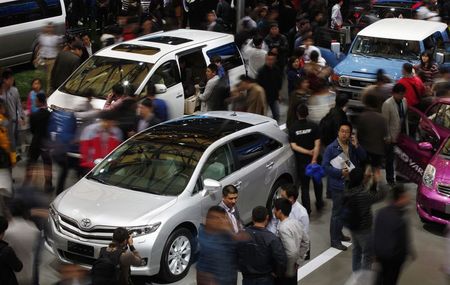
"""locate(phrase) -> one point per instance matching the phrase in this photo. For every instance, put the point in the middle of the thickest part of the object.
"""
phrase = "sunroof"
(136, 49)
(167, 40)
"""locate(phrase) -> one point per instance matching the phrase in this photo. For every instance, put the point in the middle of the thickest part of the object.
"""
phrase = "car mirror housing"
(439, 58)
(98, 160)
(160, 88)
(425, 146)
(210, 186)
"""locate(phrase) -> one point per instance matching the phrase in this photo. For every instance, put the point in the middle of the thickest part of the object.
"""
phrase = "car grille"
(444, 189)
(97, 234)
(355, 83)
(75, 258)
(440, 215)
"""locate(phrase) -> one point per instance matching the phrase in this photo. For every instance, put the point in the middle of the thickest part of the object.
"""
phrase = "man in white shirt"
(229, 199)
(255, 55)
(294, 238)
(308, 45)
(48, 51)
(336, 16)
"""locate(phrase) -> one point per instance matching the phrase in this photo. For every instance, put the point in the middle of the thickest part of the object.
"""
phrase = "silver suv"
(160, 183)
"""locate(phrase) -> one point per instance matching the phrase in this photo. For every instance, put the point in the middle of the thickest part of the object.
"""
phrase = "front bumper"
(72, 249)
(432, 206)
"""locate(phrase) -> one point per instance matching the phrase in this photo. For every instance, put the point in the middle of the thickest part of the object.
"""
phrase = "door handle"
(179, 95)
(270, 165)
(237, 184)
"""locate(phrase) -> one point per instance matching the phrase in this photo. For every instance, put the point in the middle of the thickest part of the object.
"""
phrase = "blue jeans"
(361, 253)
(258, 281)
(336, 223)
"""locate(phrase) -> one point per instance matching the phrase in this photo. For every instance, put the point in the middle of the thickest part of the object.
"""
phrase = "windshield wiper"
(361, 54)
(96, 178)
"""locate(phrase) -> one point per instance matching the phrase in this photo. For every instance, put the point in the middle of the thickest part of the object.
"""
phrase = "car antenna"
(234, 113)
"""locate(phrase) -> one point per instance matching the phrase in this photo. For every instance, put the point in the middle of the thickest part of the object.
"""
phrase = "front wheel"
(177, 256)
(275, 192)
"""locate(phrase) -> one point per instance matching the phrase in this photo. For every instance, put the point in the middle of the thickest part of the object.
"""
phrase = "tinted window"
(442, 117)
(230, 55)
(419, 134)
(23, 11)
(219, 164)
(166, 74)
(252, 147)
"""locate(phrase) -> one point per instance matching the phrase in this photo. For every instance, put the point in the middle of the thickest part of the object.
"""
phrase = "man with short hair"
(249, 96)
(229, 199)
(294, 238)
(270, 78)
(115, 97)
(9, 262)
(263, 254)
(88, 49)
(255, 55)
(336, 15)
(277, 43)
(146, 115)
(65, 64)
(394, 111)
(207, 97)
(159, 105)
(415, 89)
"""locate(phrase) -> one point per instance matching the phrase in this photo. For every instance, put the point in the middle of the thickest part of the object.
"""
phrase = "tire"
(180, 238)
(274, 192)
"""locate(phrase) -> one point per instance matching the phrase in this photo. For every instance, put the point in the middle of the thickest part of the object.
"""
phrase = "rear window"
(23, 11)
(230, 55)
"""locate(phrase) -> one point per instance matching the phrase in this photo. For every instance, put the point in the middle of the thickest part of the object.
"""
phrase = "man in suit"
(88, 47)
(229, 199)
(394, 111)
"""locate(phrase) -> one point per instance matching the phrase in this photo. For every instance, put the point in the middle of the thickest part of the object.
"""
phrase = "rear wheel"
(177, 255)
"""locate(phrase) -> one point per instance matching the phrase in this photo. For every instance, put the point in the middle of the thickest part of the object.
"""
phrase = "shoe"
(345, 238)
(340, 247)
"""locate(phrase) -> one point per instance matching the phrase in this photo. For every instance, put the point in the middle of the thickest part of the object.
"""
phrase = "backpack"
(327, 128)
(62, 127)
(106, 269)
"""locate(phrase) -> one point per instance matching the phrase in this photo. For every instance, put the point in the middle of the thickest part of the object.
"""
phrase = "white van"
(152, 58)
(21, 21)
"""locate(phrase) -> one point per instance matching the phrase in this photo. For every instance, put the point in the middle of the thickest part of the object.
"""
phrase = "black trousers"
(304, 184)
(390, 271)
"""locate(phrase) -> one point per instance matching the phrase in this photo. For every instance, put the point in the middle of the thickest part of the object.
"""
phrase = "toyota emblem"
(86, 223)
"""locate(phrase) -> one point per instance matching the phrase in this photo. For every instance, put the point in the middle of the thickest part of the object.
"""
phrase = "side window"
(219, 164)
(23, 11)
(250, 148)
(417, 133)
(166, 74)
(439, 41)
(442, 117)
(230, 55)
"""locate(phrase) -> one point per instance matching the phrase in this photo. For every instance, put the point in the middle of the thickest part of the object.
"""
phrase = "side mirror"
(440, 58)
(98, 160)
(336, 48)
(160, 88)
(211, 186)
(425, 146)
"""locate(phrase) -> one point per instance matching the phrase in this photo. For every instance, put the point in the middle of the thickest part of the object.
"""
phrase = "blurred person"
(426, 12)
(9, 262)
(340, 157)
(229, 199)
(7, 160)
(270, 78)
(329, 125)
(316, 73)
(225, 12)
(48, 51)
(308, 45)
(146, 114)
(99, 139)
(213, 24)
(217, 60)
(320, 103)
(441, 84)
(126, 112)
(394, 112)
(114, 262)
(102, 11)
(255, 54)
(10, 94)
(294, 239)
(294, 72)
(159, 105)
(39, 147)
(36, 87)
(277, 43)
(427, 67)
(415, 89)
(381, 89)
(392, 240)
(299, 96)
(115, 97)
(88, 47)
(305, 142)
(217, 260)
(207, 98)
(147, 27)
(249, 96)
(336, 15)
(358, 201)
(72, 274)
(65, 64)
(296, 31)
(372, 131)
(262, 256)
(23, 237)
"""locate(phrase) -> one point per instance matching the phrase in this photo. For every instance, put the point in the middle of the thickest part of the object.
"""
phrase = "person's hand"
(345, 172)
(110, 97)
(130, 240)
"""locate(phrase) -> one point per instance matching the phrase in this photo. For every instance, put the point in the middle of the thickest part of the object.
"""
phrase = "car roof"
(402, 29)
(184, 38)
(200, 131)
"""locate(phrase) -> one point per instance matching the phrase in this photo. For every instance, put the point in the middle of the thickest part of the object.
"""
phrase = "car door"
(256, 156)
(168, 74)
(411, 156)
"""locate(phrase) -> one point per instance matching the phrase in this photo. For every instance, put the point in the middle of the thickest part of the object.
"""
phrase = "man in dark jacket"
(336, 117)
(270, 78)
(392, 241)
(39, 142)
(9, 263)
(261, 255)
(277, 43)
(358, 216)
(340, 158)
(65, 64)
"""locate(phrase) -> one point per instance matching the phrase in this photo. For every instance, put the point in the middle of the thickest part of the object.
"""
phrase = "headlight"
(428, 175)
(344, 81)
(54, 216)
(144, 230)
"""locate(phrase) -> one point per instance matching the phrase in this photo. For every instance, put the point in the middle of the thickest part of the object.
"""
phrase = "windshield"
(150, 163)
(100, 74)
(386, 48)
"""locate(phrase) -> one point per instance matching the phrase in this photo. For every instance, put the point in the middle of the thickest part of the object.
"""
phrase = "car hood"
(111, 206)
(73, 102)
(367, 66)
(442, 166)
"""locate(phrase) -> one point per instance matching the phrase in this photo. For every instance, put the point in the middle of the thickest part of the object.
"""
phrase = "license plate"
(447, 208)
(82, 249)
